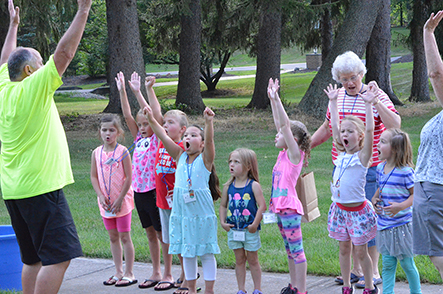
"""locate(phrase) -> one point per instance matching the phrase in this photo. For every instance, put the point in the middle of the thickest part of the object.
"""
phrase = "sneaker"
(289, 290)
(257, 292)
(241, 292)
(347, 290)
(367, 291)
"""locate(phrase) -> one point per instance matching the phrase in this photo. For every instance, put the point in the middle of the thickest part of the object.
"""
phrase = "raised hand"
(120, 81)
(14, 16)
(371, 95)
(208, 114)
(273, 89)
(331, 92)
(149, 82)
(147, 111)
(433, 21)
(134, 83)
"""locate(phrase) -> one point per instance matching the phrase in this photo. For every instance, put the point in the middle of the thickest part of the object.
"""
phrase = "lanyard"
(107, 189)
(237, 217)
(353, 105)
(384, 183)
(189, 172)
(164, 171)
(342, 170)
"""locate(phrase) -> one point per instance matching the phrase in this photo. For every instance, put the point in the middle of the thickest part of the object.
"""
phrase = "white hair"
(347, 63)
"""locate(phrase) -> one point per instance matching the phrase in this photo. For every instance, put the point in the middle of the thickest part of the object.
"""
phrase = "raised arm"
(152, 99)
(366, 153)
(68, 44)
(173, 149)
(332, 93)
(433, 59)
(209, 150)
(126, 108)
(11, 37)
(321, 135)
(282, 122)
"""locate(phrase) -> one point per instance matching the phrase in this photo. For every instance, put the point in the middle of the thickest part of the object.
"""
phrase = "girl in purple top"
(295, 140)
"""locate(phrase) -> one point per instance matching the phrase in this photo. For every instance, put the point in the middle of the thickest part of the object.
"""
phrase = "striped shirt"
(394, 187)
(355, 105)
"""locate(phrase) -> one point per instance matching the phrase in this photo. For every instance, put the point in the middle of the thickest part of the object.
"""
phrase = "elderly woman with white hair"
(348, 69)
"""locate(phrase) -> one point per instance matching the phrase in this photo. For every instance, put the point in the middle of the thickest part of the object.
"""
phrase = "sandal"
(111, 281)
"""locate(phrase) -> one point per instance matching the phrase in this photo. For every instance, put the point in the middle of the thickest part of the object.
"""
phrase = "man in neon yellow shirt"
(35, 163)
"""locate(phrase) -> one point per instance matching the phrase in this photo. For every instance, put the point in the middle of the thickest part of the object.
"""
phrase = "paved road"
(87, 275)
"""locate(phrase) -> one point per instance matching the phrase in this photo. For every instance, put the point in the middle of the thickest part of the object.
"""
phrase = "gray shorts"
(165, 214)
(427, 218)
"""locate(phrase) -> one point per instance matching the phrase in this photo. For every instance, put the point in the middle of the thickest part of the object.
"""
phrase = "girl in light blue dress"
(193, 223)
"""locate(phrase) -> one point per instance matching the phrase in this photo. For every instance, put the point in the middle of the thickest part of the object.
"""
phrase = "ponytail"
(214, 184)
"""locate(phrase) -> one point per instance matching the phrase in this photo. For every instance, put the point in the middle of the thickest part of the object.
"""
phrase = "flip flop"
(129, 282)
(354, 279)
(170, 285)
(111, 281)
(178, 283)
(185, 289)
(151, 284)
(362, 285)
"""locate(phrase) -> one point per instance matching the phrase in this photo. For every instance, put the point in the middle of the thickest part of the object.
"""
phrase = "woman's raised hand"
(273, 89)
(371, 95)
(331, 91)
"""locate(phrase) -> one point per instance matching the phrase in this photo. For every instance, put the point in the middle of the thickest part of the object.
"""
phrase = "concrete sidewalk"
(86, 275)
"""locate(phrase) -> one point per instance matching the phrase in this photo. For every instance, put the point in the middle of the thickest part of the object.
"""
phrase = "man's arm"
(68, 44)
(11, 38)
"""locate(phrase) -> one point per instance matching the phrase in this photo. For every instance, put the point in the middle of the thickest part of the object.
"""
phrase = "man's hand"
(14, 16)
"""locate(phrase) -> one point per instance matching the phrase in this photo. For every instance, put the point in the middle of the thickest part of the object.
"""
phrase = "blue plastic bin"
(10, 262)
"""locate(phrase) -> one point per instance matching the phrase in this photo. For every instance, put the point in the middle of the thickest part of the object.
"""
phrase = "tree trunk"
(420, 85)
(326, 30)
(378, 53)
(125, 51)
(208, 78)
(188, 90)
(353, 35)
(4, 21)
(268, 53)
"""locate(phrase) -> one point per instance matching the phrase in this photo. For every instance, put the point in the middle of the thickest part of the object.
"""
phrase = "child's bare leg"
(128, 248)
(167, 260)
(438, 263)
(154, 248)
(345, 262)
(209, 287)
(300, 276)
(240, 268)
(366, 264)
(254, 265)
(117, 252)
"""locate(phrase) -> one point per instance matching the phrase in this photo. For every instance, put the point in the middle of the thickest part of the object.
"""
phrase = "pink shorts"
(122, 223)
(358, 224)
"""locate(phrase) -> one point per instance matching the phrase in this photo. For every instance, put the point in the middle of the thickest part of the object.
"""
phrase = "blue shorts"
(252, 241)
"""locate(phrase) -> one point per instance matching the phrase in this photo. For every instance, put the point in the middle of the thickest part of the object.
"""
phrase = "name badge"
(169, 199)
(109, 214)
(239, 235)
(269, 218)
(189, 197)
(334, 190)
(110, 161)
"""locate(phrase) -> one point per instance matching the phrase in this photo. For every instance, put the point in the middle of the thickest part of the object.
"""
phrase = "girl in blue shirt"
(393, 204)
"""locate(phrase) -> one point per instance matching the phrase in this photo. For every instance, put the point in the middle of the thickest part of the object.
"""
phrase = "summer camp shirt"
(143, 163)
(112, 177)
(165, 167)
(394, 188)
(355, 105)
(34, 152)
(429, 166)
(284, 178)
